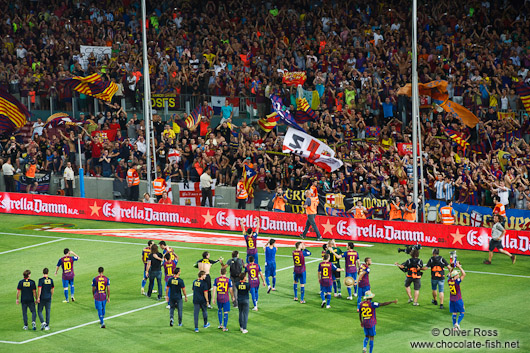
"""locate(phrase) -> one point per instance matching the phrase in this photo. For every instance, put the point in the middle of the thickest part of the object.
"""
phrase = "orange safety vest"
(279, 203)
(241, 193)
(409, 216)
(446, 215)
(30, 173)
(133, 178)
(314, 191)
(395, 213)
(312, 209)
(158, 185)
(359, 213)
(500, 209)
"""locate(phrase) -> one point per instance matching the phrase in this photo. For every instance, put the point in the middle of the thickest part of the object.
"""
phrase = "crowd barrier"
(274, 223)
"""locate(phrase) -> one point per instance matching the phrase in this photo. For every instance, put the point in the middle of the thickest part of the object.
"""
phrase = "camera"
(409, 248)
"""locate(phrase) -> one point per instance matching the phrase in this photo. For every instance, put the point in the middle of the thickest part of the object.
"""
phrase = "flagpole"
(415, 101)
(147, 99)
(152, 133)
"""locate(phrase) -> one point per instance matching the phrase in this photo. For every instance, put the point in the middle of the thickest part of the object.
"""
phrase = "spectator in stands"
(164, 200)
(8, 170)
(68, 176)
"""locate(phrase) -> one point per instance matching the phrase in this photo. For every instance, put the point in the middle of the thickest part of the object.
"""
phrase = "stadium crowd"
(356, 56)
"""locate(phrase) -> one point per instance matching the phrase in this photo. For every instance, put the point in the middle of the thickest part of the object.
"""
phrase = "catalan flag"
(248, 179)
(455, 136)
(269, 122)
(93, 86)
(304, 112)
(502, 116)
(523, 91)
(194, 118)
(13, 114)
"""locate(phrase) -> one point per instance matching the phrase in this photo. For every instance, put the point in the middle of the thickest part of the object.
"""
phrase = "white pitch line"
(32, 246)
(108, 318)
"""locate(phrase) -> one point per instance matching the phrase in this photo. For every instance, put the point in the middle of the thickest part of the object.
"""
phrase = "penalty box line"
(113, 316)
(222, 250)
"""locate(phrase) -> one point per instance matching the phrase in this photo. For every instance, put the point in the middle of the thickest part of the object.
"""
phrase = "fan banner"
(274, 223)
(294, 78)
(315, 151)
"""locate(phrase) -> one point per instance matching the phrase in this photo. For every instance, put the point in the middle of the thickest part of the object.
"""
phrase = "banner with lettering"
(480, 216)
(191, 194)
(43, 183)
(159, 101)
(275, 223)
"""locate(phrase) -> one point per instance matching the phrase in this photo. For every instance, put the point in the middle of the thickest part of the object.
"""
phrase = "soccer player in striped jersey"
(325, 277)
(224, 290)
(299, 273)
(67, 264)
(363, 283)
(100, 290)
(352, 262)
(169, 270)
(456, 304)
(145, 256)
(368, 318)
(254, 272)
(251, 239)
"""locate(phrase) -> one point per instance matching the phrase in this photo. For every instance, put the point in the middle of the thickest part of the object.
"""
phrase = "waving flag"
(252, 108)
(315, 151)
(61, 119)
(248, 179)
(294, 78)
(437, 90)
(283, 112)
(13, 114)
(193, 119)
(93, 86)
(455, 136)
(217, 104)
(168, 188)
(304, 112)
(269, 122)
(523, 91)
(502, 116)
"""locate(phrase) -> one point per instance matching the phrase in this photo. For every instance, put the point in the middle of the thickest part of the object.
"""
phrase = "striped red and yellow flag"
(94, 86)
(502, 116)
(269, 122)
(523, 91)
(13, 114)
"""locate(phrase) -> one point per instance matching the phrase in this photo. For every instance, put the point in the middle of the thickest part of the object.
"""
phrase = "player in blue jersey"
(251, 239)
(325, 277)
(456, 304)
(67, 264)
(270, 264)
(100, 290)
(351, 265)
(299, 274)
(368, 319)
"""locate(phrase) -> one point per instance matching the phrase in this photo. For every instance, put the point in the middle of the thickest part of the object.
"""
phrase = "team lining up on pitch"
(240, 281)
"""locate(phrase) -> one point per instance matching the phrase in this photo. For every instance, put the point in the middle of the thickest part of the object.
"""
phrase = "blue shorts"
(352, 275)
(369, 331)
(437, 283)
(299, 277)
(224, 307)
(100, 304)
(67, 282)
(270, 269)
(362, 290)
(325, 289)
(457, 307)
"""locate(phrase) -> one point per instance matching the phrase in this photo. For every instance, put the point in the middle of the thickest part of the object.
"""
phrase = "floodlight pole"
(415, 102)
(147, 99)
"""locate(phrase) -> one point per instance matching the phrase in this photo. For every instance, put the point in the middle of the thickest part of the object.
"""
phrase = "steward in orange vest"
(394, 210)
(446, 214)
(409, 210)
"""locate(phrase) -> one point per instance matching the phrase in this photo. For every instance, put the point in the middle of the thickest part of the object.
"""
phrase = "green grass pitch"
(496, 298)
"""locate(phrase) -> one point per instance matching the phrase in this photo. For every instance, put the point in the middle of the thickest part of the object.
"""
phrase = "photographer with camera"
(413, 268)
(394, 209)
(279, 201)
(437, 264)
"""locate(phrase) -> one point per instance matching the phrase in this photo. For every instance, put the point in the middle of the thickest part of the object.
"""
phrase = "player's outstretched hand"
(395, 301)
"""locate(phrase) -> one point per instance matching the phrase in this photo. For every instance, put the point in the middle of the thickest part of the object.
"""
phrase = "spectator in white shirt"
(206, 188)
(8, 171)
(69, 179)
